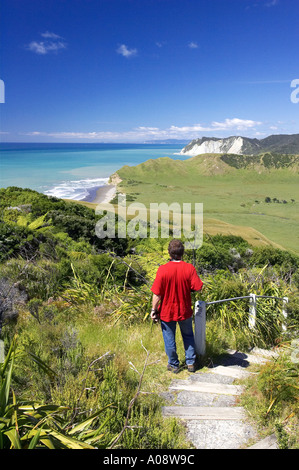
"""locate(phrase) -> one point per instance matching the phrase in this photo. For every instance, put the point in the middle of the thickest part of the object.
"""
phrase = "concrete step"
(206, 387)
(247, 358)
(185, 398)
(206, 376)
(267, 353)
(230, 372)
(204, 412)
(269, 442)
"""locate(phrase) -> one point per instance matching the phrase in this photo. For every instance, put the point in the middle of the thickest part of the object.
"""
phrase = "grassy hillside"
(76, 313)
(233, 189)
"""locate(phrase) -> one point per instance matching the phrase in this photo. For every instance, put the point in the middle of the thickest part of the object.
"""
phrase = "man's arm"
(196, 282)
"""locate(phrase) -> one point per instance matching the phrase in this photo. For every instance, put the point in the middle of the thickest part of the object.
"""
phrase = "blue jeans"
(168, 331)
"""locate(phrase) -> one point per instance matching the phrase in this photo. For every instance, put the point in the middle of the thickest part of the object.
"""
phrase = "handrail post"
(1, 342)
(200, 327)
(284, 311)
(252, 311)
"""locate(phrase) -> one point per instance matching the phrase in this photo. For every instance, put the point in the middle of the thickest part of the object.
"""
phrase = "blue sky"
(140, 70)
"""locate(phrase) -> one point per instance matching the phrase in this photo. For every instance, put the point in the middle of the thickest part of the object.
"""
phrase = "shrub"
(40, 279)
(271, 256)
(209, 258)
(16, 241)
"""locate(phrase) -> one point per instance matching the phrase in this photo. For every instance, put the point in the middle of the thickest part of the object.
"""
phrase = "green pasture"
(233, 199)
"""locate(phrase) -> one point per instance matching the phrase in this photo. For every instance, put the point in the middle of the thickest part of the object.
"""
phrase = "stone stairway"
(207, 402)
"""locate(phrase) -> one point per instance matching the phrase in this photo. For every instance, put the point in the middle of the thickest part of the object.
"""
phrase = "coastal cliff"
(285, 144)
(115, 179)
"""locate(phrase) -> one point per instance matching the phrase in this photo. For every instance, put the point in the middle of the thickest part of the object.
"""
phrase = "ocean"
(73, 171)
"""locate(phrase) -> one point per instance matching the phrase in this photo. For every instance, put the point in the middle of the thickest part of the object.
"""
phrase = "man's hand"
(155, 315)
(154, 311)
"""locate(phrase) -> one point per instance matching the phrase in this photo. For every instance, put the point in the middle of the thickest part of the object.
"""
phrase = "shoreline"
(101, 194)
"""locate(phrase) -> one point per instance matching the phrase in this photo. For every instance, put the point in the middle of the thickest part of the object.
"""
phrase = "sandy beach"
(101, 194)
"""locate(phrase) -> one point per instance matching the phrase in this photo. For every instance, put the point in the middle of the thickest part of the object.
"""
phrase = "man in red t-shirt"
(172, 289)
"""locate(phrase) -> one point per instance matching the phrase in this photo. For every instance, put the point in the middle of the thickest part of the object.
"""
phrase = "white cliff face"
(236, 146)
(243, 145)
(229, 145)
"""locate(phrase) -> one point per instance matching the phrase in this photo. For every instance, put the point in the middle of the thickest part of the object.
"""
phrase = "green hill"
(210, 164)
(253, 192)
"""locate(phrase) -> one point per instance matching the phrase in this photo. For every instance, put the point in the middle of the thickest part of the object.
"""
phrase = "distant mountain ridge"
(280, 143)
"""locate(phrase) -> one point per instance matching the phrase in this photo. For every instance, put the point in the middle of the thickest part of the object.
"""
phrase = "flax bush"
(29, 425)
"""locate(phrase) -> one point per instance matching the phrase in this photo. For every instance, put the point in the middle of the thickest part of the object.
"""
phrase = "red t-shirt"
(174, 282)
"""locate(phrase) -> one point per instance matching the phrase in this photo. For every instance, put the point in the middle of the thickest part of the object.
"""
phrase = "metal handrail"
(270, 297)
(200, 316)
(228, 300)
(244, 297)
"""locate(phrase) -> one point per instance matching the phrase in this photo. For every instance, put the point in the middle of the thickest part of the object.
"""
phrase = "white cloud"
(52, 43)
(264, 82)
(193, 45)
(37, 47)
(45, 47)
(238, 124)
(144, 133)
(49, 35)
(147, 129)
(36, 133)
(125, 51)
(262, 3)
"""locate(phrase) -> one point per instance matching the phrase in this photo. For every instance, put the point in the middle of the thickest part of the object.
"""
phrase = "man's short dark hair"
(176, 249)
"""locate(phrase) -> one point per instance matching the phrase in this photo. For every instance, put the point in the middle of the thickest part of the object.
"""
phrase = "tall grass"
(271, 398)
(91, 369)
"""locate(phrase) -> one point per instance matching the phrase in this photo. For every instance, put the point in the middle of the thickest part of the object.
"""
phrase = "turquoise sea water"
(72, 170)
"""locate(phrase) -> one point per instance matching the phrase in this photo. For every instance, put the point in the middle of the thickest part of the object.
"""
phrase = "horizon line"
(144, 142)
